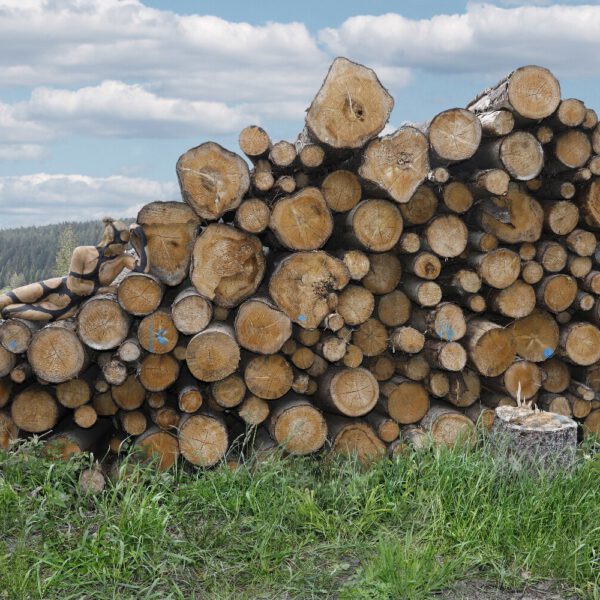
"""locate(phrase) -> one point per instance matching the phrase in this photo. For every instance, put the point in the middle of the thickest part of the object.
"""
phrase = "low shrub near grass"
(297, 528)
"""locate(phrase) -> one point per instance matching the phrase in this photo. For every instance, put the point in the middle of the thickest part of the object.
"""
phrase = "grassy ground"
(297, 528)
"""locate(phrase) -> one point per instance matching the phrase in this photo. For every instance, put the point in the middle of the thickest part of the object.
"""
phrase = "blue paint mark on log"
(151, 336)
(302, 318)
(13, 345)
(548, 352)
(160, 336)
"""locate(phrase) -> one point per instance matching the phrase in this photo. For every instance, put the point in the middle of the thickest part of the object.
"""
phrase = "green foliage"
(16, 280)
(67, 242)
(296, 528)
(32, 251)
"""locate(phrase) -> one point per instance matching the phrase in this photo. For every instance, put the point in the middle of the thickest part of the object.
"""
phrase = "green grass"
(297, 528)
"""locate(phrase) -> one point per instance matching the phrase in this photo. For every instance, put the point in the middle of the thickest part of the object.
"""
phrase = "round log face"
(139, 294)
(355, 304)
(212, 180)
(573, 148)
(559, 293)
(341, 190)
(494, 352)
(212, 355)
(455, 134)
(56, 354)
(8, 431)
(253, 215)
(535, 336)
(302, 221)
(269, 377)
(34, 410)
(457, 197)
(102, 324)
(73, 393)
(157, 333)
(358, 439)
(203, 440)
(394, 309)
(397, 163)
(15, 336)
(384, 273)
(533, 92)
(161, 446)
(228, 265)
(302, 283)
(192, 313)
(354, 391)
(522, 155)
(500, 268)
(261, 328)
(254, 141)
(300, 429)
(377, 224)
(408, 403)
(581, 343)
(452, 429)
(158, 372)
(421, 206)
(350, 108)
(447, 236)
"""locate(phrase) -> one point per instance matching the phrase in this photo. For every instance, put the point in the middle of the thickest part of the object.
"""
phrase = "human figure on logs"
(91, 267)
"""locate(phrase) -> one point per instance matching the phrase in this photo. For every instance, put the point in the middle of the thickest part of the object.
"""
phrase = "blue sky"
(98, 98)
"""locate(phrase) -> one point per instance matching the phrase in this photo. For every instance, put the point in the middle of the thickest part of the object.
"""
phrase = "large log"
(227, 264)
(350, 108)
(35, 410)
(170, 229)
(350, 392)
(214, 353)
(139, 294)
(203, 438)
(212, 179)
(101, 323)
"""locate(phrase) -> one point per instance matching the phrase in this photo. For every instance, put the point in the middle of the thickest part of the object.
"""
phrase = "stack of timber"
(350, 291)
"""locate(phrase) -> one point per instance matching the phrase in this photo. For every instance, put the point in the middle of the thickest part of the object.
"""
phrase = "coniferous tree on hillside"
(66, 244)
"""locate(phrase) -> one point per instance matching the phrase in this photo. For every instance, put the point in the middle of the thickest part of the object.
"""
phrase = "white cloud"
(56, 198)
(21, 151)
(485, 38)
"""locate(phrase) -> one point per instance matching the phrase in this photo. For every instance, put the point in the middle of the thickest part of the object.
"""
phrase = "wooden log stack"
(349, 291)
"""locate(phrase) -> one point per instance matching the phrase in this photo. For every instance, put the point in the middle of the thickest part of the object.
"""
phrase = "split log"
(170, 230)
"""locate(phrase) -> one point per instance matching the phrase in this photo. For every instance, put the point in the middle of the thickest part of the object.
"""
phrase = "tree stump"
(531, 438)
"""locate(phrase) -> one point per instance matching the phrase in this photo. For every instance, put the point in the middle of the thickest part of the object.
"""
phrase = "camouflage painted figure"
(91, 267)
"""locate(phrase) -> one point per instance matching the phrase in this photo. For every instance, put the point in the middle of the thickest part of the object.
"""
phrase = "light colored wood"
(351, 437)
(530, 92)
(282, 154)
(556, 293)
(350, 108)
(16, 334)
(8, 431)
(414, 367)
(101, 322)
(371, 337)
(561, 216)
(213, 180)
(421, 206)
(515, 301)
(404, 400)
(355, 304)
(34, 410)
(213, 353)
(437, 383)
(457, 197)
(140, 294)
(409, 243)
(449, 356)
(407, 339)
(254, 142)
(532, 272)
(104, 405)
(535, 336)
(261, 327)
(302, 221)
(203, 438)
(396, 164)
(191, 311)
(129, 351)
(394, 308)
(445, 321)
(356, 261)
(499, 268)
(170, 229)
(253, 410)
(454, 134)
(522, 380)
(386, 428)
(85, 416)
(491, 348)
(341, 190)
(71, 394)
(557, 376)
(227, 264)
(350, 392)
(228, 392)
(382, 366)
(579, 343)
(496, 123)
(448, 426)
(158, 372)
(130, 394)
(591, 426)
(55, 354)
(262, 177)
(269, 377)
(570, 113)
(374, 225)
(582, 242)
(464, 388)
(296, 425)
(572, 149)
(331, 348)
(301, 285)
(157, 332)
(253, 215)
(424, 293)
(422, 264)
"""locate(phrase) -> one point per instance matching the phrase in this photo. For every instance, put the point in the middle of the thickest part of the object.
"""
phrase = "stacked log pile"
(350, 291)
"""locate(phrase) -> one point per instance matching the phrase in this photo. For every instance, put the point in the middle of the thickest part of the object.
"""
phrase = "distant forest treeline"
(28, 254)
